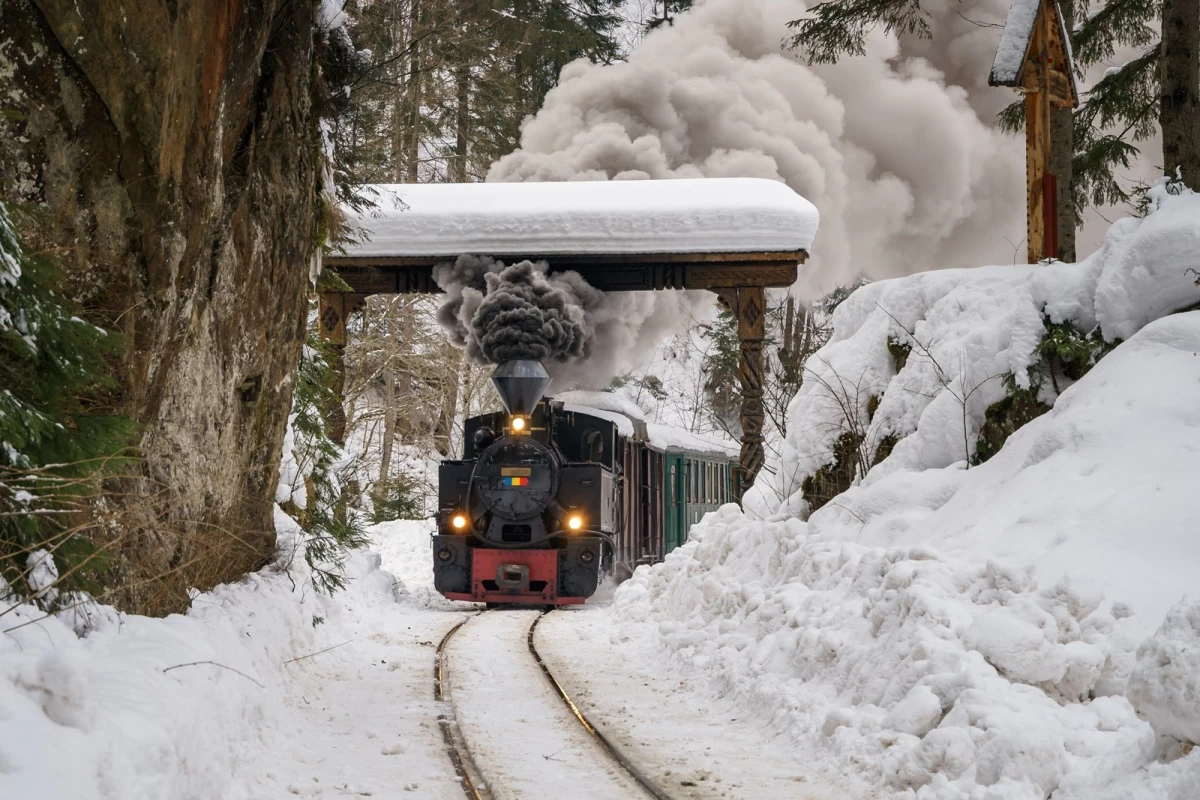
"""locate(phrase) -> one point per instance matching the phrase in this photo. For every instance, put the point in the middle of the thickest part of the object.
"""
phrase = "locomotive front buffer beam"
(739, 280)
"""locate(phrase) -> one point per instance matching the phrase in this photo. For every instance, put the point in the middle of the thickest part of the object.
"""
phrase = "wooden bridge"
(733, 237)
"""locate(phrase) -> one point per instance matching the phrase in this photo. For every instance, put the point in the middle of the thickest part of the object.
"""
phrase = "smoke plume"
(498, 312)
(896, 148)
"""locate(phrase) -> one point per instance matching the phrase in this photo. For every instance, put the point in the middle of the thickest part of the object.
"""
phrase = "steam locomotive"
(550, 495)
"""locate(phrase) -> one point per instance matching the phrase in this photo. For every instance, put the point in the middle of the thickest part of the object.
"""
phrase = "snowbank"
(943, 632)
(966, 331)
(710, 215)
(913, 672)
(159, 708)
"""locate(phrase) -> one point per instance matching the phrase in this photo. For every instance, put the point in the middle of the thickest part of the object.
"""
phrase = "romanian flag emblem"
(516, 481)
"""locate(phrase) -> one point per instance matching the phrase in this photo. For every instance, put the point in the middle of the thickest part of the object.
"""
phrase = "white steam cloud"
(897, 148)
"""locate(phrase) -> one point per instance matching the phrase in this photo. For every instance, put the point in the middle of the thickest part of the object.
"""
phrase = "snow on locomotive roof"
(607, 401)
(627, 416)
(702, 215)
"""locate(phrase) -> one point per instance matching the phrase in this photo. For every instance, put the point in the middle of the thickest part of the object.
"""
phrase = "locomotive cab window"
(593, 446)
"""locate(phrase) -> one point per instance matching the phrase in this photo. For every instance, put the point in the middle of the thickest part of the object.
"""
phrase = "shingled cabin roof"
(1012, 56)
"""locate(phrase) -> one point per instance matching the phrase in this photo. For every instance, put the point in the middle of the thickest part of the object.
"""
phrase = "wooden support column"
(751, 316)
(749, 304)
(332, 311)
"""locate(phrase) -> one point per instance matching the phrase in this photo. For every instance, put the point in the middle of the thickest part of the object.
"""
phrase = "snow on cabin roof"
(706, 215)
(1014, 43)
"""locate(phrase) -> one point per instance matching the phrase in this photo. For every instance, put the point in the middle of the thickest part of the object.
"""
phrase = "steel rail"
(630, 768)
(456, 748)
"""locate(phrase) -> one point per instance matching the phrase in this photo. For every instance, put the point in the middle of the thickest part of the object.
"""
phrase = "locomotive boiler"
(522, 518)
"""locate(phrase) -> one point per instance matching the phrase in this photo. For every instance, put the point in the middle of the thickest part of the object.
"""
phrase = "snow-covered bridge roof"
(714, 215)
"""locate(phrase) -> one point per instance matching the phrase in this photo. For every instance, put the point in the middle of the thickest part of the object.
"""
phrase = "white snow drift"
(945, 632)
(131, 707)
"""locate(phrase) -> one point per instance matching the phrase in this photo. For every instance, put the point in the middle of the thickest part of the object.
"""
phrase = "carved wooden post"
(751, 316)
(332, 311)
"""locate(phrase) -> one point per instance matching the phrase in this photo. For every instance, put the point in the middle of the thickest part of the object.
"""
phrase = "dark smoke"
(584, 336)
(523, 316)
(500, 313)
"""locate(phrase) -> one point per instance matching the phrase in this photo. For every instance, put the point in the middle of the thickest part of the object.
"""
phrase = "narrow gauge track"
(470, 777)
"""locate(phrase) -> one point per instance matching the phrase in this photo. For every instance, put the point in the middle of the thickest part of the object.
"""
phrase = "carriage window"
(593, 446)
(672, 482)
(692, 480)
(704, 483)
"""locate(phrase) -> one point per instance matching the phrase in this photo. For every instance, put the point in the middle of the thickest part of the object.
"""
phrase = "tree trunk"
(413, 94)
(462, 120)
(175, 150)
(389, 425)
(1062, 153)
(1179, 112)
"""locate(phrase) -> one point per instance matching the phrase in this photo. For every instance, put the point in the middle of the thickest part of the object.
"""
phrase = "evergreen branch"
(1012, 118)
(839, 27)
(1117, 23)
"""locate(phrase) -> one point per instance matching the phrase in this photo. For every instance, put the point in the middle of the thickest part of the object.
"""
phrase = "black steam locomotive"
(549, 496)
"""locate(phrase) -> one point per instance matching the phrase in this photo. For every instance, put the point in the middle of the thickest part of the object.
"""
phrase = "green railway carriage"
(668, 478)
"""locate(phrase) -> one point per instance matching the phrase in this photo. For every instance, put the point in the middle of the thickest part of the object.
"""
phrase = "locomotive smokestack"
(520, 385)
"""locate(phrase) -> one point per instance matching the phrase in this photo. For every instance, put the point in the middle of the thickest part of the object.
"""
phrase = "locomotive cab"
(521, 518)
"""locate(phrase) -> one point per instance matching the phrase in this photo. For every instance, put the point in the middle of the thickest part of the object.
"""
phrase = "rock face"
(173, 149)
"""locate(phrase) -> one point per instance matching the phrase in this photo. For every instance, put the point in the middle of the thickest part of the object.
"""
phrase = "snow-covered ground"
(264, 689)
(990, 632)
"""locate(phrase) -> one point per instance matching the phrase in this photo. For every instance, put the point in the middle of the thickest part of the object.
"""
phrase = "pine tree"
(445, 85)
(315, 469)
(1122, 108)
(1157, 90)
(56, 438)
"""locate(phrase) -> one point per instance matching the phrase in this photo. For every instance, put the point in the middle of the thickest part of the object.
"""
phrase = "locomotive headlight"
(575, 522)
(518, 423)
(459, 521)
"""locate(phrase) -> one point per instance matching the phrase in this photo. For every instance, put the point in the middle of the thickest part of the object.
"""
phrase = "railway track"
(474, 783)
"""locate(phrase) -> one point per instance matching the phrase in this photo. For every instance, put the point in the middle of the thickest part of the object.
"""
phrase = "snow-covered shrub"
(313, 471)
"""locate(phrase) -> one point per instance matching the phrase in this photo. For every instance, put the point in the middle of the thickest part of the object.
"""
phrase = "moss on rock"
(833, 479)
(900, 352)
(1002, 419)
